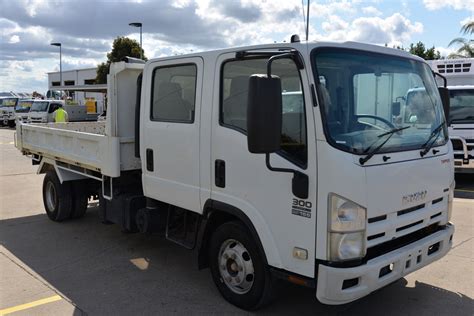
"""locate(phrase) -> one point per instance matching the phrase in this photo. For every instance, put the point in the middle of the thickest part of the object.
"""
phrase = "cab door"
(169, 135)
(241, 179)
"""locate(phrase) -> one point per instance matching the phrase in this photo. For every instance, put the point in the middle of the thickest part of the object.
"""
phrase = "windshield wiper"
(371, 153)
(434, 134)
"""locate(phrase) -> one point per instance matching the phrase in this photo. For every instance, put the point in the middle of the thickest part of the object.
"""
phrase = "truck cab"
(459, 75)
(42, 110)
(7, 110)
(461, 126)
(22, 109)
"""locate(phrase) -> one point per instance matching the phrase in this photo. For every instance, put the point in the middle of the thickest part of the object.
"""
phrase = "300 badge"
(301, 208)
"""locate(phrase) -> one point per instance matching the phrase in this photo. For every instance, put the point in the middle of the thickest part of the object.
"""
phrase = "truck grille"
(457, 144)
(394, 225)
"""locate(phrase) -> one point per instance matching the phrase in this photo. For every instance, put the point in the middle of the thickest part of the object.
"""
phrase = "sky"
(87, 28)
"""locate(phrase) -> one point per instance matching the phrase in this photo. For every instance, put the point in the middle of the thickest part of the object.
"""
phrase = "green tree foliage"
(466, 46)
(122, 47)
(420, 50)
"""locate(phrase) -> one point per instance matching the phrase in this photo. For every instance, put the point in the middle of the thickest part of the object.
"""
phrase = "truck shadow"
(104, 271)
(464, 186)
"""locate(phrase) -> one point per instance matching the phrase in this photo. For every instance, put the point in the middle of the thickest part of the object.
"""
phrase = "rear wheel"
(57, 197)
(238, 269)
(80, 199)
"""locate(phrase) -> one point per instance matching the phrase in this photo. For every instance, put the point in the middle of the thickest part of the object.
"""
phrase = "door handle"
(219, 173)
(149, 160)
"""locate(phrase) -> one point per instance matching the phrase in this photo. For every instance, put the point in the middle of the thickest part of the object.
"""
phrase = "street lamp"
(60, 63)
(138, 24)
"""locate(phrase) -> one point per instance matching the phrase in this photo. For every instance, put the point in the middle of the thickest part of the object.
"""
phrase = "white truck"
(7, 110)
(22, 109)
(212, 150)
(459, 74)
(42, 112)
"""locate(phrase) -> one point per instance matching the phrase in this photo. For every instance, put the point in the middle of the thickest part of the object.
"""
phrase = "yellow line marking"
(17, 308)
(9, 143)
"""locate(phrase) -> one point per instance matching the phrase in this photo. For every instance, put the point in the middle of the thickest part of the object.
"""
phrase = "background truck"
(42, 112)
(276, 161)
(7, 110)
(22, 109)
(459, 74)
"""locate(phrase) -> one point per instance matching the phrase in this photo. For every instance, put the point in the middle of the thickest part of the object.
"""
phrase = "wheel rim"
(50, 196)
(236, 266)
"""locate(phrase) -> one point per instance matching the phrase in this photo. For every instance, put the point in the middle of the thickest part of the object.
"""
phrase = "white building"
(80, 86)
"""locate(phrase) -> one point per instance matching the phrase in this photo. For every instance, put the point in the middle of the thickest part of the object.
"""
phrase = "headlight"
(347, 229)
(450, 199)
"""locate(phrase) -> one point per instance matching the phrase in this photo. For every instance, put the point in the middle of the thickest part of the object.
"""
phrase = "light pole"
(60, 63)
(138, 24)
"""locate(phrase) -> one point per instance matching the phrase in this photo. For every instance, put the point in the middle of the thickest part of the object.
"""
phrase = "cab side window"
(234, 92)
(53, 107)
(174, 93)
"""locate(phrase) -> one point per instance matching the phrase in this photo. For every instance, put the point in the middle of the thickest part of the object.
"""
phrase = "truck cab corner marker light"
(300, 253)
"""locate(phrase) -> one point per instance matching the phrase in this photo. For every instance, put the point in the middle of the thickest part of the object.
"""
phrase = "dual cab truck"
(281, 161)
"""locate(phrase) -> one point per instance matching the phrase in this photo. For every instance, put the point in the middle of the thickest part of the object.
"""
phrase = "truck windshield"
(9, 102)
(39, 106)
(462, 106)
(364, 95)
(23, 106)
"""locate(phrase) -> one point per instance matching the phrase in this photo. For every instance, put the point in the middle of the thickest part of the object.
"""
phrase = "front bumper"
(376, 272)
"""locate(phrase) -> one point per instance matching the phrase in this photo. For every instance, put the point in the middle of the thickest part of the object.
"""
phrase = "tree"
(468, 28)
(420, 50)
(122, 47)
(466, 48)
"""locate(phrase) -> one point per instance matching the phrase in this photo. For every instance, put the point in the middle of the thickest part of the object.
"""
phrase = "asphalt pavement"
(85, 267)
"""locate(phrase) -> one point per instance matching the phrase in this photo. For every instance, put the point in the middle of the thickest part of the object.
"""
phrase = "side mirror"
(264, 114)
(444, 94)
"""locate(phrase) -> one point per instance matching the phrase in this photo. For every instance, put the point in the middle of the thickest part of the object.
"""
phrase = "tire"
(80, 199)
(11, 123)
(57, 197)
(238, 268)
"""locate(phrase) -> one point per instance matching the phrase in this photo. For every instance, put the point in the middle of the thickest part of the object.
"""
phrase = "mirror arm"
(300, 182)
(294, 55)
(442, 77)
(271, 168)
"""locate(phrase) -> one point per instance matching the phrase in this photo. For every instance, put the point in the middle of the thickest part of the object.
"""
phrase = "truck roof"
(302, 46)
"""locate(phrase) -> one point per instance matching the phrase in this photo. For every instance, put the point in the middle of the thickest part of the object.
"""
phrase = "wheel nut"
(226, 256)
(233, 256)
(240, 268)
(237, 279)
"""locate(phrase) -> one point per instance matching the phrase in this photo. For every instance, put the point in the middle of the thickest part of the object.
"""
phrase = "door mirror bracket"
(299, 183)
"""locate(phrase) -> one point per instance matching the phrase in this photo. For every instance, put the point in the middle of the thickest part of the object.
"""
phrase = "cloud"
(87, 28)
(455, 4)
(466, 20)
(371, 11)
(244, 12)
(445, 51)
(393, 30)
(14, 39)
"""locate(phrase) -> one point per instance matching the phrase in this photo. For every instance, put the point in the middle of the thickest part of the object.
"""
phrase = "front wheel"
(238, 269)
